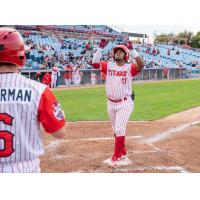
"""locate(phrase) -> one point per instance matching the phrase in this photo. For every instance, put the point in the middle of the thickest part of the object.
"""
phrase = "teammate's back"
(20, 98)
(24, 105)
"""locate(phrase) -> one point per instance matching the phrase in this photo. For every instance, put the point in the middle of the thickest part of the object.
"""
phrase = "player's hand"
(103, 43)
(129, 45)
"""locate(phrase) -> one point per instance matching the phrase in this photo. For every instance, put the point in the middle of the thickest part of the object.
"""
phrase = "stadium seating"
(53, 42)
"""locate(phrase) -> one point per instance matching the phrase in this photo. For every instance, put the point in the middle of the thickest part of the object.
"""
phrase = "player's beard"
(118, 59)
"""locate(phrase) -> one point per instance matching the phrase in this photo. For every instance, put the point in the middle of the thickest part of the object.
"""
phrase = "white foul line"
(166, 134)
(107, 138)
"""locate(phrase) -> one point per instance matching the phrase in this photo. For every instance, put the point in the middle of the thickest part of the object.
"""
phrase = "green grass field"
(153, 100)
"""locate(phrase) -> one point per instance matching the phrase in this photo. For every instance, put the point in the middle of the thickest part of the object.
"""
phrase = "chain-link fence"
(95, 76)
(163, 73)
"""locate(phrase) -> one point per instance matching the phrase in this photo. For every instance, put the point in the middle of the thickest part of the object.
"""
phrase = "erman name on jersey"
(15, 95)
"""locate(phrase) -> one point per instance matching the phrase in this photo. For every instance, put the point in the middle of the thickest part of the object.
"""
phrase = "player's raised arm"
(96, 63)
(97, 56)
(138, 59)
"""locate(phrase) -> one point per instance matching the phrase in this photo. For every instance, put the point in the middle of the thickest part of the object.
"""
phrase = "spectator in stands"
(28, 55)
(87, 46)
(194, 63)
(180, 63)
(177, 51)
(91, 46)
(154, 52)
(56, 54)
(71, 56)
(43, 65)
(45, 52)
(168, 51)
(48, 60)
(129, 45)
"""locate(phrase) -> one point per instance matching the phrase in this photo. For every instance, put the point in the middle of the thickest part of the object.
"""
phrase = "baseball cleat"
(115, 162)
(124, 160)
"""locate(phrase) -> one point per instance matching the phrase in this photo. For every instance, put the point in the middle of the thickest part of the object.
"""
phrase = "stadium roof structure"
(139, 35)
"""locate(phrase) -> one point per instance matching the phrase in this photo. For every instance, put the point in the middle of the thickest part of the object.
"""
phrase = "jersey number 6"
(6, 136)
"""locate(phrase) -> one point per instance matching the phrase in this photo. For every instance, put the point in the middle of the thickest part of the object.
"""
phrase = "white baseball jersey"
(54, 76)
(93, 78)
(118, 87)
(76, 77)
(118, 79)
(55, 71)
(76, 74)
(24, 104)
(120, 105)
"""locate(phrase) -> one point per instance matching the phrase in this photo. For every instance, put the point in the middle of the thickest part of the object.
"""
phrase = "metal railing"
(146, 74)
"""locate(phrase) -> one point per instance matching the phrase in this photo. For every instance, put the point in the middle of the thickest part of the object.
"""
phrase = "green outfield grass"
(153, 100)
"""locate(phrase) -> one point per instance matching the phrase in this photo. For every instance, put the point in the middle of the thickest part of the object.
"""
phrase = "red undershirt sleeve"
(134, 70)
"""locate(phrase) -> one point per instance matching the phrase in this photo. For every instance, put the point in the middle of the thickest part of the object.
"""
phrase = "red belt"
(117, 100)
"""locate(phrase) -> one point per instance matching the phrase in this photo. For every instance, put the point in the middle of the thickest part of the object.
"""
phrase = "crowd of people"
(48, 56)
(160, 56)
(78, 53)
(62, 52)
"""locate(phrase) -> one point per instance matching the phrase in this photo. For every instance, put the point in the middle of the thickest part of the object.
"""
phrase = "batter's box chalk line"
(140, 121)
(54, 144)
(159, 168)
(143, 152)
(141, 169)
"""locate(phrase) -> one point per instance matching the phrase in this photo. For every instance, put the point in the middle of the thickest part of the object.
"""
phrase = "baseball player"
(103, 77)
(120, 100)
(76, 76)
(93, 78)
(68, 75)
(25, 104)
(38, 74)
(47, 79)
(54, 76)
(165, 73)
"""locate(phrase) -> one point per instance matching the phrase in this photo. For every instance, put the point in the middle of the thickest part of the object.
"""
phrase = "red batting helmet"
(124, 48)
(12, 47)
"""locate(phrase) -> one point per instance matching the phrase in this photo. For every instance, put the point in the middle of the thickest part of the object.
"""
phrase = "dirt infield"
(171, 144)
